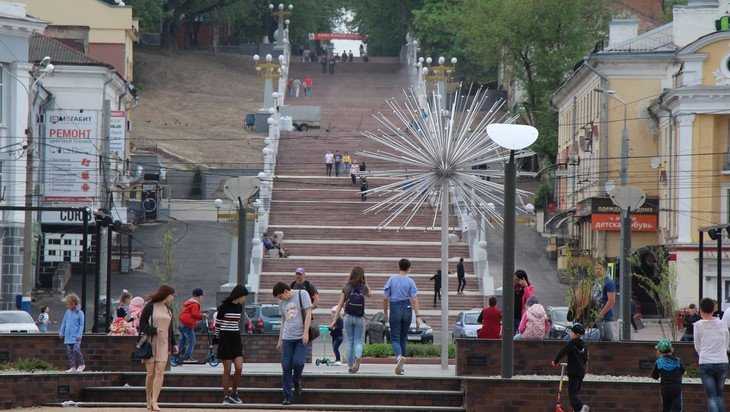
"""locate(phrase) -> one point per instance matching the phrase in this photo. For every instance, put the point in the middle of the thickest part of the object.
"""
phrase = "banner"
(71, 156)
(610, 222)
(337, 36)
(117, 135)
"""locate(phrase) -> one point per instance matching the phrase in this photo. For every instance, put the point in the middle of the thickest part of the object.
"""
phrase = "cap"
(197, 292)
(664, 345)
(578, 329)
(300, 270)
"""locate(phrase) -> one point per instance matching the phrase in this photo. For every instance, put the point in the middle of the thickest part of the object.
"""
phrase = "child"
(189, 318)
(363, 188)
(491, 320)
(670, 369)
(43, 320)
(577, 355)
(71, 331)
(336, 334)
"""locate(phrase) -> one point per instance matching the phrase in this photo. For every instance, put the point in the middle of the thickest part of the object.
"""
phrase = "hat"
(578, 329)
(197, 292)
(664, 345)
(532, 300)
(300, 270)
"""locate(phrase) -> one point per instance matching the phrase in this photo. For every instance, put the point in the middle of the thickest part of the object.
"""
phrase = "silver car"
(466, 324)
(17, 321)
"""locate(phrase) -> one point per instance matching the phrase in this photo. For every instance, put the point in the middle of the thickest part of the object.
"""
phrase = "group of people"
(295, 86)
(273, 245)
(460, 275)
(342, 163)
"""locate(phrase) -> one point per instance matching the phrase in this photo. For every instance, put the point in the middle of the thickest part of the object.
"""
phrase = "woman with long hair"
(230, 349)
(155, 325)
(353, 300)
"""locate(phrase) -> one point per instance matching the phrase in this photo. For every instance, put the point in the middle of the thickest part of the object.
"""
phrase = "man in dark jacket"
(577, 354)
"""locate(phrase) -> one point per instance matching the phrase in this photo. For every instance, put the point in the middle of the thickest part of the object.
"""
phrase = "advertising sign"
(611, 222)
(64, 217)
(117, 135)
(71, 156)
(337, 36)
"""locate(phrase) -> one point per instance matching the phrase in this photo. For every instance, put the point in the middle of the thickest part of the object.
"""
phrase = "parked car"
(559, 323)
(266, 318)
(17, 321)
(375, 328)
(466, 324)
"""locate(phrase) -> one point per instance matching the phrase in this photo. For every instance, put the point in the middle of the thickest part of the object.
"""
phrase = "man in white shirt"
(329, 160)
(712, 341)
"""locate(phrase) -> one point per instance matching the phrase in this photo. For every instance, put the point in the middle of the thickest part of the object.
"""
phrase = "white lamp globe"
(429, 60)
(530, 208)
(256, 58)
(218, 203)
(454, 60)
(291, 7)
(271, 6)
(512, 136)
(442, 60)
(268, 58)
(281, 6)
(270, 121)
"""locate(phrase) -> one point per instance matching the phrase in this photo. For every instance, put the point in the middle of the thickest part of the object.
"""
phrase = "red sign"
(610, 222)
(337, 36)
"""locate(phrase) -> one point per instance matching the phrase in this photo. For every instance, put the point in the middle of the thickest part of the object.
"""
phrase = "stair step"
(271, 406)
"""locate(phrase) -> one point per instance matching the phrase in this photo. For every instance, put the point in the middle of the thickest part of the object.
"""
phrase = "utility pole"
(242, 244)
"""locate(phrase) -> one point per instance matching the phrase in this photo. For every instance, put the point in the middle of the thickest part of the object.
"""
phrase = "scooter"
(211, 359)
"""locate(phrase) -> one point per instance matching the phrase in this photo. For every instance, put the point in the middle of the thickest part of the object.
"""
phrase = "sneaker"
(585, 408)
(70, 370)
(356, 366)
(338, 363)
(81, 368)
(237, 399)
(399, 365)
(286, 401)
(228, 400)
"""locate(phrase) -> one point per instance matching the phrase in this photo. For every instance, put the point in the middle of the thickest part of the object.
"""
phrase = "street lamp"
(440, 75)
(218, 204)
(512, 137)
(270, 71)
(281, 13)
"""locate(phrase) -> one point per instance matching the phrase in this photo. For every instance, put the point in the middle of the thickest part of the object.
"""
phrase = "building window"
(2, 94)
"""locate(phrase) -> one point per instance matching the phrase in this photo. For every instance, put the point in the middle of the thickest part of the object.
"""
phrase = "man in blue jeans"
(296, 313)
(400, 296)
(712, 340)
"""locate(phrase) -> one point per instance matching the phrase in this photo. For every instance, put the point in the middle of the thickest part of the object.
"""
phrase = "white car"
(16, 321)
(467, 325)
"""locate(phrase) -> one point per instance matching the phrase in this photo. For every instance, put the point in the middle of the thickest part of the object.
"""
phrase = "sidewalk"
(311, 369)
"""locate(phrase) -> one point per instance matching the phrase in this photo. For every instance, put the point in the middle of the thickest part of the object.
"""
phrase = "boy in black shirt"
(670, 369)
(577, 354)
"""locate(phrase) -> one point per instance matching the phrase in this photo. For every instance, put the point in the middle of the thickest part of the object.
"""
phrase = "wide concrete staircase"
(325, 229)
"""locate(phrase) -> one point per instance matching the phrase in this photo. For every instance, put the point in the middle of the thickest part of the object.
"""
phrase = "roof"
(60, 54)
(655, 40)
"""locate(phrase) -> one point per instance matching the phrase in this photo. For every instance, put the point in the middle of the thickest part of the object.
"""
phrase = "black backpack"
(355, 305)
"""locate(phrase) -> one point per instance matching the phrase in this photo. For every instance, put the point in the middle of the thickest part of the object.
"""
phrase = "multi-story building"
(673, 82)
(104, 30)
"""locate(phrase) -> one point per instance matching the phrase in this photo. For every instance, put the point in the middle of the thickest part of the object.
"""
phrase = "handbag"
(143, 350)
(313, 330)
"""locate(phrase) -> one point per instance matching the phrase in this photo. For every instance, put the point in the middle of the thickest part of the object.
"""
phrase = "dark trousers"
(462, 284)
(329, 169)
(400, 320)
(293, 356)
(74, 355)
(336, 342)
(672, 398)
(338, 167)
(713, 379)
(436, 294)
(354, 179)
(575, 383)
(187, 342)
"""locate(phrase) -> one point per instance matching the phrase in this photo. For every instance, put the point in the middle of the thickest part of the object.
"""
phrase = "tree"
(385, 22)
(165, 269)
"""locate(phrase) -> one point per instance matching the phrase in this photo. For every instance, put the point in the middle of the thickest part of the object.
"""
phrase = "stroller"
(211, 359)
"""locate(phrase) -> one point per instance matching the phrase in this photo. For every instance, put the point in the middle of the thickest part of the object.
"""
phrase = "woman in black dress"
(230, 349)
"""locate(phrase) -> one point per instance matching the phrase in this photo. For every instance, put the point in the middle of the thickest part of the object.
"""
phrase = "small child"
(336, 334)
(670, 369)
(43, 320)
(71, 330)
(363, 188)
(577, 354)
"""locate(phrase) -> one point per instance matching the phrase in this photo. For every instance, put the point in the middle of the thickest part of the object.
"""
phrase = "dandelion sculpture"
(440, 152)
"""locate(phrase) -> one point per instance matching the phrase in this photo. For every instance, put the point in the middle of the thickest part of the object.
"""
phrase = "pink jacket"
(534, 323)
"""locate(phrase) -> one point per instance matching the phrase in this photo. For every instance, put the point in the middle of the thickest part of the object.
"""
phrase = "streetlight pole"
(282, 13)
(270, 72)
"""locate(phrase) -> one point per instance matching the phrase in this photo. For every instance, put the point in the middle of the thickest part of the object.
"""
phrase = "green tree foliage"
(385, 22)
(149, 13)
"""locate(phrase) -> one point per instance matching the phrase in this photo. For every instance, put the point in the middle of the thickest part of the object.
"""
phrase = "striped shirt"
(228, 318)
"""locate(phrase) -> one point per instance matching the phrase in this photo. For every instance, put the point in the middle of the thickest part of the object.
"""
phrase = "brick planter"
(34, 389)
(481, 357)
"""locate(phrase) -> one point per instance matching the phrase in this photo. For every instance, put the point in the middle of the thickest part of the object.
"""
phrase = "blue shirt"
(72, 326)
(400, 288)
(608, 287)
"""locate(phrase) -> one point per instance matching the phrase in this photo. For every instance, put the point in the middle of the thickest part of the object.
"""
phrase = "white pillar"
(683, 178)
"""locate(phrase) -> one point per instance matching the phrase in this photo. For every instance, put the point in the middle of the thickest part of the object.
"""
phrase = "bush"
(27, 365)
(416, 350)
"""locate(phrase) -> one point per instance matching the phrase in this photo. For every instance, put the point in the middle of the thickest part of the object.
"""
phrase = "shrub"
(27, 365)
(416, 350)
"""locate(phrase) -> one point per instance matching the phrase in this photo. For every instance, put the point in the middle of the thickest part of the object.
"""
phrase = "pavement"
(53, 409)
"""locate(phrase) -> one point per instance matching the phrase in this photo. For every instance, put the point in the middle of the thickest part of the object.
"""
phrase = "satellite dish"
(512, 136)
(243, 187)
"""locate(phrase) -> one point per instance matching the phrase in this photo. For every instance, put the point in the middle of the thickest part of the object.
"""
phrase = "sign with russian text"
(337, 36)
(71, 156)
(611, 222)
(117, 135)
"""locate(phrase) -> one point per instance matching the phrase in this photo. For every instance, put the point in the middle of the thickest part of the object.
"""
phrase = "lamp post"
(280, 13)
(218, 204)
(439, 76)
(512, 137)
(270, 71)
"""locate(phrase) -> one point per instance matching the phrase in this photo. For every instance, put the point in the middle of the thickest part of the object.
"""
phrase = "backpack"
(355, 305)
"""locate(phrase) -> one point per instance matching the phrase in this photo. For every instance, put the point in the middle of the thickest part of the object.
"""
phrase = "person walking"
(189, 318)
(534, 324)
(436, 286)
(346, 162)
(323, 61)
(297, 85)
(338, 163)
(401, 302)
(363, 188)
(461, 275)
(711, 340)
(230, 349)
(691, 316)
(329, 160)
(491, 320)
(156, 327)
(71, 331)
(296, 314)
(363, 167)
(336, 329)
(352, 300)
(308, 86)
(332, 64)
(301, 283)
(606, 319)
(577, 354)
(351, 57)
(43, 320)
(353, 173)
(669, 369)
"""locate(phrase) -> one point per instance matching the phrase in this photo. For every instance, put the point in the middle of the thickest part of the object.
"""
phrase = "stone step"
(268, 406)
(373, 250)
(303, 233)
(370, 264)
(330, 299)
(341, 217)
(375, 283)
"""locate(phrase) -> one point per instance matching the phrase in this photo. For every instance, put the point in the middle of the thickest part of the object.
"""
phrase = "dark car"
(264, 318)
(559, 323)
(377, 330)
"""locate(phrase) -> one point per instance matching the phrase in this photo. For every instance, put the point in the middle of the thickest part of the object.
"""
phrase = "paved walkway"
(311, 369)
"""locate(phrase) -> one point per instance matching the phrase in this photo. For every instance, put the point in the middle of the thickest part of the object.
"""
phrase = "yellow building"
(675, 81)
(101, 29)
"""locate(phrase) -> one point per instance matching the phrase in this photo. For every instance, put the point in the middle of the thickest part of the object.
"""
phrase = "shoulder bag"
(143, 349)
(313, 330)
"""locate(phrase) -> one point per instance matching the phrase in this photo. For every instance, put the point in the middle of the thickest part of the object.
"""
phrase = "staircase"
(263, 392)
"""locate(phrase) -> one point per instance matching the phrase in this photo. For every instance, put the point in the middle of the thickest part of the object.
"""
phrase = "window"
(51, 253)
(54, 241)
(67, 241)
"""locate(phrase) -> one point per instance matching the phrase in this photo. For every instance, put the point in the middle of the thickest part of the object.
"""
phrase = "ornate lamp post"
(270, 71)
(440, 75)
(281, 13)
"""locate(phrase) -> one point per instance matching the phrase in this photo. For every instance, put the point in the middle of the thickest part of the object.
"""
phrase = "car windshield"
(471, 318)
(15, 317)
(559, 315)
(270, 312)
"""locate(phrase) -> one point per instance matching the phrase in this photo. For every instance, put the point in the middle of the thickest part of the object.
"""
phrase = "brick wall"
(26, 390)
(539, 396)
(481, 357)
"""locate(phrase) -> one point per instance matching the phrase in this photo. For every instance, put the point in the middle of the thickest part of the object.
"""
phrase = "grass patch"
(27, 365)
(414, 350)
